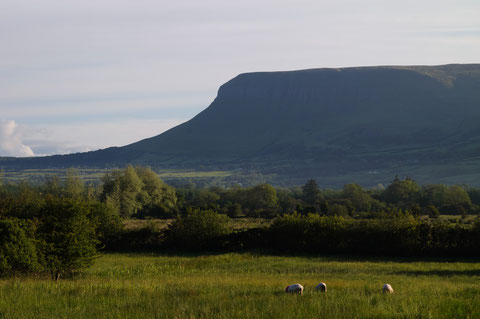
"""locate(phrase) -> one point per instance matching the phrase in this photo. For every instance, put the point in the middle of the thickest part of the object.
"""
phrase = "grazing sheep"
(321, 287)
(387, 289)
(296, 288)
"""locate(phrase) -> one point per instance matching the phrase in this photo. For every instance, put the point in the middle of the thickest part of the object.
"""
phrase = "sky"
(83, 75)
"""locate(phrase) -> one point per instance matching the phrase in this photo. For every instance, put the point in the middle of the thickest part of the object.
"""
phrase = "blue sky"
(83, 75)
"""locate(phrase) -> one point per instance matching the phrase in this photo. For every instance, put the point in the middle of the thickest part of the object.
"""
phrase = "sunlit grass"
(248, 286)
(162, 224)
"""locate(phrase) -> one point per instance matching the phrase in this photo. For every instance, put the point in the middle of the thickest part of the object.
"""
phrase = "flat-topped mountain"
(362, 125)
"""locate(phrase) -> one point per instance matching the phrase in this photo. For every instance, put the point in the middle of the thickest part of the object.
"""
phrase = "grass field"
(95, 175)
(248, 286)
(161, 224)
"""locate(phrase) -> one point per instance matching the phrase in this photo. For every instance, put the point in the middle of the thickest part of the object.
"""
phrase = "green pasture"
(95, 175)
(248, 286)
(40, 175)
(242, 223)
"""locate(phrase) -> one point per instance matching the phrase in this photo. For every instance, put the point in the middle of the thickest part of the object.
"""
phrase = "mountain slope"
(340, 125)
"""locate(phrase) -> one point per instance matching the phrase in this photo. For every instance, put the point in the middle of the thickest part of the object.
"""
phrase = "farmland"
(248, 285)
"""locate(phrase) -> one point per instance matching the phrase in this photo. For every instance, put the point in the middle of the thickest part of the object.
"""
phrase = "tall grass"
(248, 286)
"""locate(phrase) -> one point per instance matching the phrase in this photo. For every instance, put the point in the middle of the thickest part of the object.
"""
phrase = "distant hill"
(362, 125)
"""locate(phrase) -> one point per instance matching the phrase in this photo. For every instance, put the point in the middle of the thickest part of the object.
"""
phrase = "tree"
(261, 200)
(286, 202)
(204, 198)
(404, 194)
(18, 246)
(156, 197)
(68, 236)
(138, 189)
(457, 200)
(449, 199)
(122, 189)
(73, 184)
(52, 185)
(312, 195)
(198, 229)
(474, 194)
(361, 201)
(432, 211)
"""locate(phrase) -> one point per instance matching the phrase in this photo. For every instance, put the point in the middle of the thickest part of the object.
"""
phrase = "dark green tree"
(198, 229)
(18, 246)
(261, 201)
(68, 234)
(403, 193)
(73, 186)
(312, 196)
(361, 201)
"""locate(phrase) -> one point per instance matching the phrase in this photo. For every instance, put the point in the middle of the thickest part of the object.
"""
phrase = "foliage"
(399, 235)
(197, 229)
(360, 199)
(404, 193)
(122, 188)
(18, 246)
(68, 234)
(108, 221)
(261, 200)
(137, 189)
(156, 197)
(312, 196)
(73, 185)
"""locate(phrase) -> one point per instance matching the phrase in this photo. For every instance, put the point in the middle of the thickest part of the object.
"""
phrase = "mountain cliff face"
(338, 125)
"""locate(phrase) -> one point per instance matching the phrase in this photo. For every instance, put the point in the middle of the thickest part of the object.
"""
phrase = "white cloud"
(64, 63)
(83, 137)
(11, 140)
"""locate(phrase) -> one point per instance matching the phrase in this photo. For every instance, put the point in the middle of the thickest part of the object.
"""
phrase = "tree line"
(59, 226)
(352, 201)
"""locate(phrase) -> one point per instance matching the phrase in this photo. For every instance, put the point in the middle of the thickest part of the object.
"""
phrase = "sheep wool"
(296, 288)
(387, 289)
(321, 287)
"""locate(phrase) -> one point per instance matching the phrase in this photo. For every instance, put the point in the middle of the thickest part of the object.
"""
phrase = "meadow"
(248, 285)
(94, 175)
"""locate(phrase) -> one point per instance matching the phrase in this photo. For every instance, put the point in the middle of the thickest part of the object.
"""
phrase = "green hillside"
(359, 125)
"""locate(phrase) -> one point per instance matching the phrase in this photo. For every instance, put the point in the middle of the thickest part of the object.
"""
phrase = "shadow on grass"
(322, 257)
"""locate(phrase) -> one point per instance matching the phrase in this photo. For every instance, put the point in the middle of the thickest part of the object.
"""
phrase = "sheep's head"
(286, 289)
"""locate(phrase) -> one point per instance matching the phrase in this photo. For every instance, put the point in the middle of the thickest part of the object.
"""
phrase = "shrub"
(198, 229)
(109, 222)
(18, 250)
(68, 233)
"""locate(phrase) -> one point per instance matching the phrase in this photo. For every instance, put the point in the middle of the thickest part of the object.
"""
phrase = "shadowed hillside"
(336, 125)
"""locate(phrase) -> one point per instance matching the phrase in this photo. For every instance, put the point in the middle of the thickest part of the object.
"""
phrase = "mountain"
(363, 125)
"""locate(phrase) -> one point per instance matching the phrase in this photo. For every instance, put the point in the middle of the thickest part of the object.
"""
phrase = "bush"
(198, 229)
(402, 235)
(68, 234)
(18, 249)
(311, 233)
(108, 221)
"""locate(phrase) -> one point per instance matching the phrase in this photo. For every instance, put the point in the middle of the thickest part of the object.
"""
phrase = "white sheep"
(387, 289)
(321, 287)
(296, 288)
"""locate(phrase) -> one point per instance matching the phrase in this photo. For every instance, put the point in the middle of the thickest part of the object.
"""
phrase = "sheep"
(321, 287)
(387, 289)
(296, 288)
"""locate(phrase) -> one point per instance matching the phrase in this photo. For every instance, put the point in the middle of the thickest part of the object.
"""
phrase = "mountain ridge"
(328, 123)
